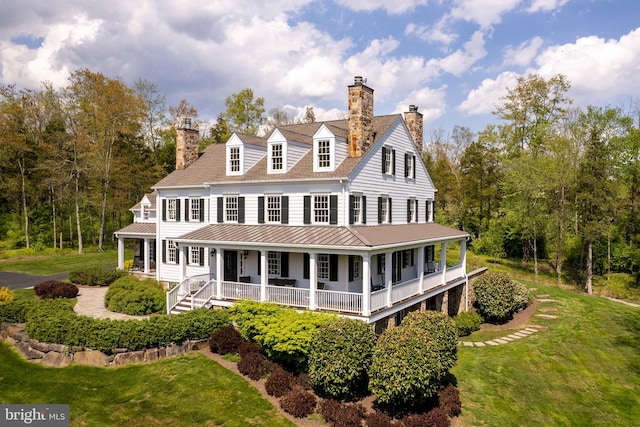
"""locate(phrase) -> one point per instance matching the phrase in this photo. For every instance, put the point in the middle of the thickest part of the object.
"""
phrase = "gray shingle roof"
(137, 229)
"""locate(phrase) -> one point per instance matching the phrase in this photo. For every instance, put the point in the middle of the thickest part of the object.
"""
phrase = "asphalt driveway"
(21, 280)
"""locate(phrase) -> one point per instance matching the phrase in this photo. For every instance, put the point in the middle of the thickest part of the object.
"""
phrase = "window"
(172, 252)
(412, 210)
(407, 258)
(172, 209)
(388, 161)
(323, 266)
(409, 165)
(194, 209)
(356, 210)
(243, 262)
(324, 153)
(194, 255)
(231, 208)
(273, 263)
(320, 209)
(145, 213)
(273, 209)
(384, 209)
(276, 157)
(234, 159)
(429, 211)
(355, 267)
(381, 264)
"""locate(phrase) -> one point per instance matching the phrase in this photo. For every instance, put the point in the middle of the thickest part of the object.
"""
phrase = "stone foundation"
(59, 356)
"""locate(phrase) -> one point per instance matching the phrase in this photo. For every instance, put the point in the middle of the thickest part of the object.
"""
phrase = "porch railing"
(294, 297)
(347, 302)
(404, 290)
(378, 299)
(188, 286)
(204, 294)
(453, 272)
(239, 290)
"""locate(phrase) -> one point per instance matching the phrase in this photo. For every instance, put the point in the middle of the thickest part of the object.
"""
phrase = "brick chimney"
(414, 121)
(186, 145)
(360, 118)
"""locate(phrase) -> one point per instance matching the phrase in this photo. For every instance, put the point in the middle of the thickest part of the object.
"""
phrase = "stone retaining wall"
(59, 355)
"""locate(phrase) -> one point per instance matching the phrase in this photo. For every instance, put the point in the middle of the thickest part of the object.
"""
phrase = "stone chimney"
(186, 145)
(414, 121)
(360, 118)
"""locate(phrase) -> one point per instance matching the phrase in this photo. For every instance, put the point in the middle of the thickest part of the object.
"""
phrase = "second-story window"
(409, 166)
(388, 161)
(273, 209)
(172, 209)
(145, 213)
(358, 209)
(234, 159)
(194, 209)
(231, 209)
(276, 157)
(321, 209)
(384, 209)
(324, 153)
(412, 210)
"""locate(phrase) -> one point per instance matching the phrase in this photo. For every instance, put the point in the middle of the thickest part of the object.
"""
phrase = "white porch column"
(443, 262)
(219, 272)
(388, 276)
(366, 285)
(463, 256)
(313, 281)
(147, 256)
(120, 253)
(183, 253)
(264, 278)
(421, 269)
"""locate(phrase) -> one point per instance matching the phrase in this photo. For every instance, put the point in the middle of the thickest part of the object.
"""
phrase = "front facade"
(334, 216)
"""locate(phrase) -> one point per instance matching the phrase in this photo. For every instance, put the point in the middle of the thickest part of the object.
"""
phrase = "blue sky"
(454, 59)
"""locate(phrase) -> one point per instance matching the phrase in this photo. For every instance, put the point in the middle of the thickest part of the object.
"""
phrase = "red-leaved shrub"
(298, 402)
(248, 347)
(449, 400)
(434, 418)
(279, 383)
(253, 365)
(225, 340)
(342, 414)
(378, 419)
(56, 289)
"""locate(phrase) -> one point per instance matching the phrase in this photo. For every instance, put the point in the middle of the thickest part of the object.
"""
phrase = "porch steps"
(183, 306)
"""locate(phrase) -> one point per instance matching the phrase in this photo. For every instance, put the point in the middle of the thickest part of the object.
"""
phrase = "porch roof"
(137, 229)
(358, 237)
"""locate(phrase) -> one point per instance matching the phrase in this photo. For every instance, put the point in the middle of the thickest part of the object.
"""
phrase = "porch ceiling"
(363, 237)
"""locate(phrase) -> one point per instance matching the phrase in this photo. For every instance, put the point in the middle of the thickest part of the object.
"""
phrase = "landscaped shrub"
(254, 366)
(467, 322)
(339, 356)
(14, 311)
(54, 321)
(434, 418)
(225, 340)
(342, 414)
(95, 276)
(449, 400)
(521, 296)
(248, 347)
(136, 297)
(298, 402)
(279, 383)
(6, 295)
(378, 419)
(56, 289)
(302, 379)
(495, 296)
(284, 334)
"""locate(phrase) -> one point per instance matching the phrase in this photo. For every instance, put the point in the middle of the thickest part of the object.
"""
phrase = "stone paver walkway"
(91, 303)
(520, 334)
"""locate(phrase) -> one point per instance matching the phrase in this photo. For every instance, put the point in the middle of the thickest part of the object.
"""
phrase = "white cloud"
(431, 33)
(431, 102)
(523, 54)
(484, 12)
(484, 99)
(392, 7)
(546, 5)
(461, 60)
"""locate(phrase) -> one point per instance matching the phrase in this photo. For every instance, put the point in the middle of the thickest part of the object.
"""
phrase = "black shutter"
(408, 210)
(164, 251)
(351, 215)
(390, 211)
(177, 255)
(333, 210)
(413, 174)
(407, 159)
(259, 263)
(201, 210)
(201, 256)
(384, 160)
(164, 209)
(393, 162)
(379, 210)
(177, 209)
(241, 210)
(284, 215)
(351, 261)
(307, 209)
(413, 261)
(186, 210)
(417, 216)
(364, 209)
(284, 264)
(260, 209)
(188, 257)
(305, 265)
(220, 209)
(333, 267)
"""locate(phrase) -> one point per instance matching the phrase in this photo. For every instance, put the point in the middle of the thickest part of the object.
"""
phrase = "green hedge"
(498, 297)
(95, 276)
(136, 297)
(54, 321)
(467, 322)
(14, 311)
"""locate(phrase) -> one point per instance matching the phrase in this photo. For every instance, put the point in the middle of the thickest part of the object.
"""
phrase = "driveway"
(21, 280)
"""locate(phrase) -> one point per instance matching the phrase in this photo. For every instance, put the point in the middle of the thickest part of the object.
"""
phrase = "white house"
(334, 216)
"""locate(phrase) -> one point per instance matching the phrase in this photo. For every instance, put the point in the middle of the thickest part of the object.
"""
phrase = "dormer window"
(324, 153)
(276, 157)
(234, 159)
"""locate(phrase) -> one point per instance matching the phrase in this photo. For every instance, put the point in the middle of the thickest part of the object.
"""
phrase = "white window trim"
(267, 217)
(274, 263)
(270, 168)
(194, 255)
(358, 219)
(227, 209)
(241, 159)
(313, 208)
(316, 155)
(323, 267)
(197, 211)
(172, 212)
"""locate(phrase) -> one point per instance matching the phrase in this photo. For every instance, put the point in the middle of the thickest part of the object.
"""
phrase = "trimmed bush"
(449, 400)
(495, 296)
(522, 298)
(467, 322)
(434, 418)
(95, 276)
(279, 383)
(339, 356)
(6, 295)
(225, 340)
(248, 347)
(298, 402)
(254, 366)
(136, 297)
(56, 289)
(342, 414)
(378, 419)
(14, 311)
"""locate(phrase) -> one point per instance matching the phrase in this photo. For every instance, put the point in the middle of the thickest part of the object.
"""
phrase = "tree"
(154, 114)
(309, 116)
(278, 117)
(243, 113)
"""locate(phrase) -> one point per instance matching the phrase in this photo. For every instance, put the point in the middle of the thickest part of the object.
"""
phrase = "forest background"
(553, 186)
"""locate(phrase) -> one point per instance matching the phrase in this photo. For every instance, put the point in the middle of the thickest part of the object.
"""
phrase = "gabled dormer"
(235, 156)
(242, 153)
(277, 153)
(325, 151)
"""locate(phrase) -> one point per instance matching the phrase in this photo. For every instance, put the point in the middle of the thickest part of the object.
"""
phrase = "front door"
(230, 266)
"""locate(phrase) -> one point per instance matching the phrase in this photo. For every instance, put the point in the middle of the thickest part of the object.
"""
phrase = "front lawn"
(189, 390)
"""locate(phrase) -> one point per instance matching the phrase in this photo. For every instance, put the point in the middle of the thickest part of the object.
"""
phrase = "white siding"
(252, 155)
(295, 152)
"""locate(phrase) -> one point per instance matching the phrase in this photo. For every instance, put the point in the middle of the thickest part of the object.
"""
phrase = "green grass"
(189, 390)
(43, 265)
(583, 370)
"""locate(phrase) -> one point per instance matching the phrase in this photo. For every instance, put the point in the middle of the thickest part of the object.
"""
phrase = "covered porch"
(144, 248)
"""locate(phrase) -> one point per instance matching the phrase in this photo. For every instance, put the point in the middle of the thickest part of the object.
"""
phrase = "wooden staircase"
(183, 306)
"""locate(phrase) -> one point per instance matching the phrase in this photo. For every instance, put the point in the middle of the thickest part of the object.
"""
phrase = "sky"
(454, 59)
